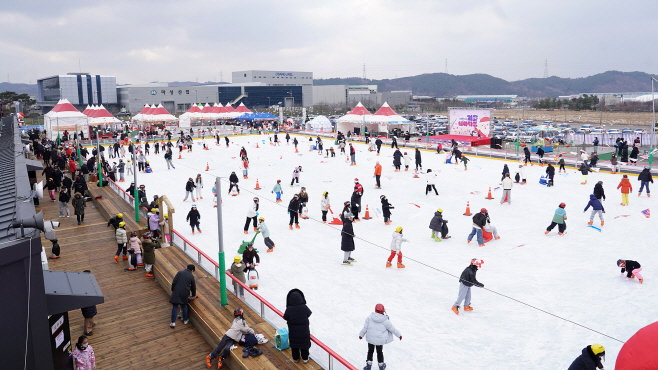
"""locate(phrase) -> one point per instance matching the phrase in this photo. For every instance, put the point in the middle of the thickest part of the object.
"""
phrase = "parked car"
(527, 137)
(587, 128)
(639, 131)
(597, 132)
(613, 131)
(511, 136)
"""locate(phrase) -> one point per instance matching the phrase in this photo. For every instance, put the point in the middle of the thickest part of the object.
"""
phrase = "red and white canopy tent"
(382, 121)
(64, 117)
(100, 116)
(194, 113)
(242, 108)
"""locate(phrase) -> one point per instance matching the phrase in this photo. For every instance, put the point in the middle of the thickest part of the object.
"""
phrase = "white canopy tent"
(64, 117)
(384, 120)
(319, 123)
(194, 113)
(357, 117)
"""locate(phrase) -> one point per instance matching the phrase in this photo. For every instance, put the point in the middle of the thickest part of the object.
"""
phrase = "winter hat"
(278, 181)
(429, 170)
(625, 176)
(356, 181)
(483, 210)
(382, 196)
(507, 175)
(405, 153)
(620, 263)
(379, 308)
(194, 205)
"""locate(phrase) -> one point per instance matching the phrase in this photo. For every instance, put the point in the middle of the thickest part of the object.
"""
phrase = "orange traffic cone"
(257, 145)
(416, 174)
(367, 216)
(296, 150)
(468, 209)
(489, 196)
(179, 157)
(207, 166)
(257, 186)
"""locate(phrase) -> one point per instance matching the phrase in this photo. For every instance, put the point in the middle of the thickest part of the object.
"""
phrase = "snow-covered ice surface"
(574, 276)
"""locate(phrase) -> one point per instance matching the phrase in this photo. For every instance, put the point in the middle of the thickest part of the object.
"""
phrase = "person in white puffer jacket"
(252, 214)
(325, 203)
(431, 179)
(396, 246)
(378, 331)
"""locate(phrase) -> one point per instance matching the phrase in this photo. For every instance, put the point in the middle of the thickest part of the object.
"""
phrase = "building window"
(245, 75)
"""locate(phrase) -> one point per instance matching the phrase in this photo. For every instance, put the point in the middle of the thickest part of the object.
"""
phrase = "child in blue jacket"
(277, 189)
(597, 207)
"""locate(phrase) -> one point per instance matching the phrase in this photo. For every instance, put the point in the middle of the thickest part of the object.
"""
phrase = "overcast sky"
(143, 41)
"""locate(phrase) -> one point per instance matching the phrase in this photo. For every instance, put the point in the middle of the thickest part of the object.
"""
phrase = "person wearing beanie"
(378, 331)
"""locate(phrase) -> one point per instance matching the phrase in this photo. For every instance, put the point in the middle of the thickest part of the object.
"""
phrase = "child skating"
(631, 268)
(278, 191)
(262, 228)
(626, 188)
(378, 331)
(597, 208)
(439, 226)
(465, 161)
(396, 246)
(386, 209)
(466, 281)
(559, 219)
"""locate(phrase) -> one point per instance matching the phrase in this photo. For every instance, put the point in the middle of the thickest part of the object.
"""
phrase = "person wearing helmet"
(584, 170)
(293, 208)
(182, 287)
(347, 234)
(520, 175)
(386, 209)
(466, 281)
(296, 316)
(526, 153)
(149, 246)
(439, 226)
(590, 358)
(295, 175)
(352, 155)
(507, 189)
(378, 331)
(397, 160)
(599, 193)
(122, 240)
(325, 204)
(198, 184)
(265, 232)
(189, 189)
(479, 221)
(645, 178)
(278, 190)
(396, 247)
(194, 217)
(430, 178)
(559, 219)
(632, 269)
(154, 222)
(550, 172)
(114, 221)
(626, 188)
(233, 180)
(164, 227)
(237, 270)
(238, 329)
(252, 214)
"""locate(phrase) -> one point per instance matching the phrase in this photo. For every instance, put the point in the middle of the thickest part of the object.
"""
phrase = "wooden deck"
(132, 326)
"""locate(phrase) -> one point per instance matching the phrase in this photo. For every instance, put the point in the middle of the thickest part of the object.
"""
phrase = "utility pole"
(546, 68)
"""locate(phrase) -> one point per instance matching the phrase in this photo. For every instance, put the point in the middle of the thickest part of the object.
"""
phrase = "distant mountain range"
(445, 85)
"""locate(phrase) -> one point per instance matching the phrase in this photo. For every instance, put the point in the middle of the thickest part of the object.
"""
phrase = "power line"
(412, 259)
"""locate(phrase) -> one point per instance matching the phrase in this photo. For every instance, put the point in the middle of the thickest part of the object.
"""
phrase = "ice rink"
(572, 276)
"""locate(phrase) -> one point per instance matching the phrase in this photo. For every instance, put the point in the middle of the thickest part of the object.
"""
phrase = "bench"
(212, 319)
(111, 204)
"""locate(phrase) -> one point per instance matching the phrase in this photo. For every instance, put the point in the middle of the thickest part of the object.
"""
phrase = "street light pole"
(135, 191)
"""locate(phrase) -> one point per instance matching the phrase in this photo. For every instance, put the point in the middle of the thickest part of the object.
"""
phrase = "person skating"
(233, 180)
(559, 219)
(245, 167)
(293, 208)
(287, 138)
(465, 161)
(295, 143)
(430, 178)
(226, 140)
(397, 159)
(550, 171)
(520, 175)
(626, 188)
(645, 178)
(303, 200)
(584, 170)
(597, 208)
(325, 204)
(540, 154)
(378, 175)
(198, 183)
(295, 175)
(526, 159)
(122, 240)
(407, 160)
(248, 257)
(278, 190)
(594, 159)
(252, 214)
(378, 331)
(378, 142)
(347, 234)
(356, 199)
(466, 281)
(296, 316)
(613, 163)
(419, 160)
(490, 228)
(632, 269)
(599, 193)
(590, 358)
(386, 209)
(561, 163)
(265, 232)
(352, 155)
(189, 189)
(479, 221)
(396, 247)
(237, 270)
(439, 226)
(194, 217)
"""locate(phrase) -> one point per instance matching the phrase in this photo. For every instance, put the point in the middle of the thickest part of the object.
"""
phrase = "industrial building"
(79, 88)
(350, 95)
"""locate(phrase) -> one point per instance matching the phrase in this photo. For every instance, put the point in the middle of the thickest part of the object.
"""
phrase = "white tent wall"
(185, 120)
(51, 125)
(319, 123)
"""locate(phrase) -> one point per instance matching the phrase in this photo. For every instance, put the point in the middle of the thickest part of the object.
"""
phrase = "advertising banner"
(469, 122)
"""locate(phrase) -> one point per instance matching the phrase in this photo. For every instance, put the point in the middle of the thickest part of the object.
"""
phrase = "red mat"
(460, 139)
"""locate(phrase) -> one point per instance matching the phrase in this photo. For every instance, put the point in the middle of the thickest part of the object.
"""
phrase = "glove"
(603, 211)
(272, 192)
(445, 221)
(360, 338)
(400, 337)
(256, 214)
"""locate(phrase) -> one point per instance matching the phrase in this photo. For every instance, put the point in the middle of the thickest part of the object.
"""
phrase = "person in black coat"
(194, 217)
(189, 189)
(439, 226)
(347, 234)
(466, 281)
(634, 153)
(550, 171)
(386, 209)
(233, 179)
(630, 268)
(182, 287)
(505, 171)
(79, 186)
(88, 313)
(355, 205)
(299, 333)
(293, 208)
(397, 159)
(378, 143)
(526, 152)
(540, 154)
(599, 193)
(624, 152)
(248, 257)
(590, 359)
(645, 178)
(419, 161)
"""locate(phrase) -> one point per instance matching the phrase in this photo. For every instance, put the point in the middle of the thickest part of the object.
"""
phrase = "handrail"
(331, 352)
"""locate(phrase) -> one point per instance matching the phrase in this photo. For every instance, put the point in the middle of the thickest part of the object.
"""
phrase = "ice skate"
(246, 232)
(400, 266)
(497, 238)
(368, 366)
(590, 223)
(351, 259)
(125, 258)
(290, 226)
(641, 280)
(468, 308)
(297, 226)
(481, 245)
(209, 361)
(388, 264)
(270, 250)
(455, 309)
(602, 223)
(546, 232)
(347, 263)
(116, 259)
(382, 366)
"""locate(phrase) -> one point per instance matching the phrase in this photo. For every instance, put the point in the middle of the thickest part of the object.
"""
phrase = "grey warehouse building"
(350, 95)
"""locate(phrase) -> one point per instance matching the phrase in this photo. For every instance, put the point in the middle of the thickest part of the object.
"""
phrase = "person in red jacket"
(72, 166)
(626, 188)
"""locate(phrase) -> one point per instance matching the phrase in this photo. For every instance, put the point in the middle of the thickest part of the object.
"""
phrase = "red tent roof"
(359, 110)
(92, 111)
(86, 111)
(150, 109)
(194, 109)
(242, 108)
(102, 112)
(160, 110)
(64, 106)
(206, 109)
(145, 109)
(218, 109)
(385, 110)
(228, 108)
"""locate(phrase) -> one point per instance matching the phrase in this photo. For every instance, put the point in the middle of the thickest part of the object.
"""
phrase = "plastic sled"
(543, 180)
(487, 236)
(281, 340)
(243, 246)
(252, 279)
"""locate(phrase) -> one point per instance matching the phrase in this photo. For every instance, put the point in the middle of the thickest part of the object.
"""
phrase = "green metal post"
(136, 192)
(220, 236)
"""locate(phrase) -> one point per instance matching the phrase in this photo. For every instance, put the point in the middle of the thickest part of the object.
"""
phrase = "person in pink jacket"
(136, 244)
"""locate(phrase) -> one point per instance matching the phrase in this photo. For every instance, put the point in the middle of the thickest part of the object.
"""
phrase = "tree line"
(584, 102)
